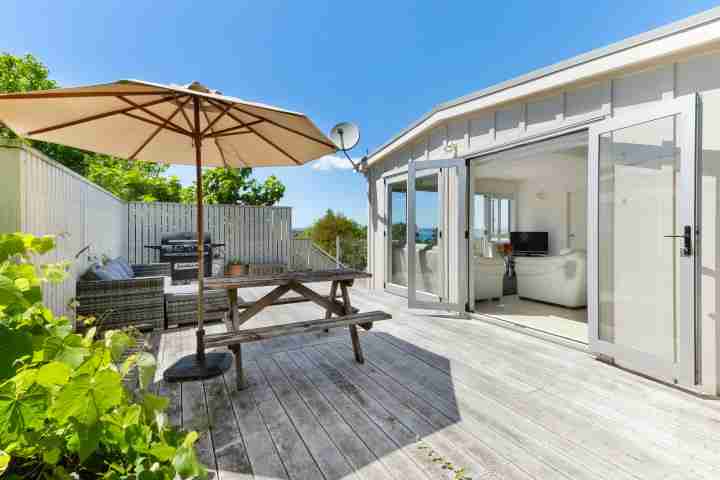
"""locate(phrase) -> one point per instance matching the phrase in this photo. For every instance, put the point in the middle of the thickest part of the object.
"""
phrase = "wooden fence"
(307, 255)
(250, 234)
(42, 197)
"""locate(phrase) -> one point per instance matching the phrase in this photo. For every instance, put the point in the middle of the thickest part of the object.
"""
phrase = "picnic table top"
(274, 279)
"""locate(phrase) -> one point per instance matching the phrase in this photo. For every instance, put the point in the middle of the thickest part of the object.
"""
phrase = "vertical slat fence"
(250, 234)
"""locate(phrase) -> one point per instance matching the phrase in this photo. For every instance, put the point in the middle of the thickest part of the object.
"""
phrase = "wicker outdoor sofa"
(144, 298)
(138, 301)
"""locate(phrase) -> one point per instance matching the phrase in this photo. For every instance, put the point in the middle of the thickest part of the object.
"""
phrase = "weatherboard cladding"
(587, 94)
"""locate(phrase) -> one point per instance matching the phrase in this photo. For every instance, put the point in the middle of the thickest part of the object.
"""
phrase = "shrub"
(64, 410)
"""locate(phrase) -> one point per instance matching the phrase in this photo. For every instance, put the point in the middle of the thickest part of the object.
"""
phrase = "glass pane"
(638, 263)
(398, 233)
(427, 215)
(480, 242)
(709, 229)
(505, 218)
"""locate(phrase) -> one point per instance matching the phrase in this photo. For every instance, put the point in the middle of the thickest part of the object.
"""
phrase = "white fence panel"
(307, 255)
(53, 200)
(251, 234)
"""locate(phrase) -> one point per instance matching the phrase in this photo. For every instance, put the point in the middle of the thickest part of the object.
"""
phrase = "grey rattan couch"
(137, 302)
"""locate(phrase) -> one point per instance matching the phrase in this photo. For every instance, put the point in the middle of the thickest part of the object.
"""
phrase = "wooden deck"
(436, 389)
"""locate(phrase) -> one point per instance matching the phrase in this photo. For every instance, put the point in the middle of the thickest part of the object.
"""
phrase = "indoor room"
(529, 236)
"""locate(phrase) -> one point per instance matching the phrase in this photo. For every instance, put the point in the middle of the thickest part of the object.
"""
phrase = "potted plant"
(236, 267)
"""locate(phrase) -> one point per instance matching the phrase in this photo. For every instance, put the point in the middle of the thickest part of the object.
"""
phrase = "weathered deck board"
(499, 403)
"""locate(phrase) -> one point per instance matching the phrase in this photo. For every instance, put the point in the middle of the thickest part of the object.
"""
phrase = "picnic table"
(345, 314)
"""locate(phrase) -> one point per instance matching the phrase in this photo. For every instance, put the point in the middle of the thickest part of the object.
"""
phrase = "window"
(493, 216)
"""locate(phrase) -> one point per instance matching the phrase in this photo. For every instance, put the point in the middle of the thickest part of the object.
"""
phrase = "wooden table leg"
(239, 374)
(333, 294)
(233, 298)
(353, 328)
(356, 344)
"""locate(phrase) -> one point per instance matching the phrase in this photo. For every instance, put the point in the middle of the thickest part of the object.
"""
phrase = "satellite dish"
(345, 135)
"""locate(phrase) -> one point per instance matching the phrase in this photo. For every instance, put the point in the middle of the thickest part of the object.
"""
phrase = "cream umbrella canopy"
(187, 125)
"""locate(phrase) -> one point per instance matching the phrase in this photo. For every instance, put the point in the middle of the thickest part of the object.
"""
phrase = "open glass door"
(436, 235)
(641, 240)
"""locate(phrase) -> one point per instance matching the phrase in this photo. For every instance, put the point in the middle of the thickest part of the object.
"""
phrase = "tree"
(134, 180)
(234, 186)
(25, 74)
(353, 238)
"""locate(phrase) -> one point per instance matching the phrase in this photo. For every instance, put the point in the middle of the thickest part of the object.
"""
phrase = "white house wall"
(485, 129)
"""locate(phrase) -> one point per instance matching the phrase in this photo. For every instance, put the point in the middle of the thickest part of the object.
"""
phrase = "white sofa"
(488, 277)
(560, 279)
(427, 275)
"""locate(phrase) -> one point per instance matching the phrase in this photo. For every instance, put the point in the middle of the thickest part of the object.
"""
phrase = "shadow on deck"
(436, 391)
(311, 412)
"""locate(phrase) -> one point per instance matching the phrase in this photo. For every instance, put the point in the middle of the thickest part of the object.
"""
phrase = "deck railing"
(308, 256)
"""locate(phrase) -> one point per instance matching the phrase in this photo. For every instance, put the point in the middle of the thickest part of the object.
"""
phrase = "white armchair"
(488, 277)
(560, 279)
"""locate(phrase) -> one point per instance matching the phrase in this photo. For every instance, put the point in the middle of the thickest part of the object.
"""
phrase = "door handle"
(686, 251)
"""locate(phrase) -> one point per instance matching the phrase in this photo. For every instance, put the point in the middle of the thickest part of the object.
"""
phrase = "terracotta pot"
(237, 269)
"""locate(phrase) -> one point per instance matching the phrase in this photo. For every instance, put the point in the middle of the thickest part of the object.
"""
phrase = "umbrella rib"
(153, 122)
(279, 125)
(219, 133)
(187, 120)
(230, 134)
(210, 124)
(275, 146)
(96, 117)
(160, 128)
(262, 137)
(151, 113)
(217, 145)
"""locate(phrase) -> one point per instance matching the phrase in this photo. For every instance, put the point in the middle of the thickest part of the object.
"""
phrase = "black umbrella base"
(188, 368)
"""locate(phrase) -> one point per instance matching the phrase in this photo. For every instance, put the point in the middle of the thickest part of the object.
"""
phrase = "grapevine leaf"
(146, 365)
(89, 436)
(117, 342)
(53, 373)
(87, 397)
(19, 411)
(15, 344)
(4, 461)
(162, 452)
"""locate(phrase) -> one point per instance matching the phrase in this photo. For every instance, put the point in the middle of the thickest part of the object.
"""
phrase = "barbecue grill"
(180, 251)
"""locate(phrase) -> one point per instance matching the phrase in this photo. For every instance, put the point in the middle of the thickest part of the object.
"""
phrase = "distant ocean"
(426, 235)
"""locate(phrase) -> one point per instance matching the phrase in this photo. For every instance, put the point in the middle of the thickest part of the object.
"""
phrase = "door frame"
(683, 371)
(393, 177)
(416, 299)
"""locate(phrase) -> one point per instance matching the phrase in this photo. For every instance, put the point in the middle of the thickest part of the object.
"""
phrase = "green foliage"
(134, 180)
(25, 74)
(353, 238)
(234, 185)
(64, 410)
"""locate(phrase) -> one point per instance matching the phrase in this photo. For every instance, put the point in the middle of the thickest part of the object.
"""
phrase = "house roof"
(688, 23)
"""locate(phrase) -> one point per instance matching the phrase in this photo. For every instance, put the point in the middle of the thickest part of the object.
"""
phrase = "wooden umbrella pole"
(200, 233)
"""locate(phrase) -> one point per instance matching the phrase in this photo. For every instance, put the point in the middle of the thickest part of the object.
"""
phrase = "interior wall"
(541, 196)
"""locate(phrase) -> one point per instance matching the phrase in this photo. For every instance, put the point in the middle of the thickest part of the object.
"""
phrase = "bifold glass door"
(642, 239)
(435, 240)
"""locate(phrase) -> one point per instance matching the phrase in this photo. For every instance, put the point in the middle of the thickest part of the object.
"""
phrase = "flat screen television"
(529, 243)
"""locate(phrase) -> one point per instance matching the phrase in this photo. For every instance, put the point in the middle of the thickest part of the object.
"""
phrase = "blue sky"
(379, 64)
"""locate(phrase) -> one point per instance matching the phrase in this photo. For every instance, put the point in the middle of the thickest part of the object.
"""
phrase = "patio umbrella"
(188, 125)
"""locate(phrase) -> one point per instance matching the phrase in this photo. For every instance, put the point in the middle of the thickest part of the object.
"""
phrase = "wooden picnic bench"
(345, 314)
